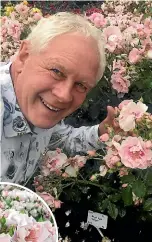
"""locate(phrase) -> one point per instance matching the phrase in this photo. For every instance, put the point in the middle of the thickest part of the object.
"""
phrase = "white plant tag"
(98, 220)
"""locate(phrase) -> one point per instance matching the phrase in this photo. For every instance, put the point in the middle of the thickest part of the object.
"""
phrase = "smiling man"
(57, 65)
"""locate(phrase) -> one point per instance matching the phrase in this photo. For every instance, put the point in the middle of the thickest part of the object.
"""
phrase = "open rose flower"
(54, 161)
(130, 113)
(120, 83)
(134, 153)
(134, 56)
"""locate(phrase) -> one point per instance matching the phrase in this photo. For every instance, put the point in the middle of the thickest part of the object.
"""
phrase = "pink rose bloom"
(98, 19)
(54, 161)
(134, 153)
(120, 83)
(113, 37)
(5, 238)
(15, 29)
(104, 137)
(134, 56)
(57, 203)
(124, 103)
(48, 198)
(118, 66)
(38, 232)
(22, 9)
(112, 158)
(130, 113)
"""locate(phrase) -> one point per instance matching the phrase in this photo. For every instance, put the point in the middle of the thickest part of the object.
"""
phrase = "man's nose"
(63, 91)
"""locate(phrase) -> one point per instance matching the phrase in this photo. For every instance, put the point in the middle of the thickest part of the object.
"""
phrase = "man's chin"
(42, 124)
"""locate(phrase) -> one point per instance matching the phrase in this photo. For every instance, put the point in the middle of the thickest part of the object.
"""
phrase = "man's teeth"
(49, 106)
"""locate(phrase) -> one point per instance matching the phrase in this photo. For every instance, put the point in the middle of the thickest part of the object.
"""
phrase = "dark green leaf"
(115, 197)
(139, 189)
(127, 196)
(112, 210)
(128, 179)
(148, 205)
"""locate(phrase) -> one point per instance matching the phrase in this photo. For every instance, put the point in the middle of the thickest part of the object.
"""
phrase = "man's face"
(54, 83)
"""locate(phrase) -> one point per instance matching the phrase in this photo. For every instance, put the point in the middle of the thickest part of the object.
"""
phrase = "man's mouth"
(49, 106)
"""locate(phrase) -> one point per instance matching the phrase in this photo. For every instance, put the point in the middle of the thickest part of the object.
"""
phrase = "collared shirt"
(23, 147)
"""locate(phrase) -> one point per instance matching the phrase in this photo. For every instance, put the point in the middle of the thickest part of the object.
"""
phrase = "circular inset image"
(24, 216)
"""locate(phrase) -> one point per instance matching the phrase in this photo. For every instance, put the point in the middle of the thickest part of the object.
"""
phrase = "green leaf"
(11, 231)
(149, 190)
(128, 179)
(139, 189)
(3, 221)
(104, 204)
(112, 210)
(127, 196)
(40, 219)
(148, 205)
(115, 197)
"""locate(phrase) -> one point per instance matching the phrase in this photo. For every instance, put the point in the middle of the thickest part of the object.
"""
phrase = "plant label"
(98, 220)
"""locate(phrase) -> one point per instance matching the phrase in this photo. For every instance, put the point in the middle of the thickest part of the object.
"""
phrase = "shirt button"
(7, 71)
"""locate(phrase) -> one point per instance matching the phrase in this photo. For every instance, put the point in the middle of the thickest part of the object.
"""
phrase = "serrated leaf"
(128, 179)
(112, 210)
(127, 196)
(139, 189)
(148, 205)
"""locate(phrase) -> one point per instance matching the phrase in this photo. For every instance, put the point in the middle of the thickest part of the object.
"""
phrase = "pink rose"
(134, 153)
(48, 198)
(124, 103)
(5, 238)
(112, 158)
(98, 19)
(22, 9)
(54, 161)
(130, 113)
(120, 83)
(134, 56)
(104, 137)
(113, 37)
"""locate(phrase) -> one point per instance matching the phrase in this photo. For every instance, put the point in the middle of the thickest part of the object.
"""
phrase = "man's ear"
(23, 54)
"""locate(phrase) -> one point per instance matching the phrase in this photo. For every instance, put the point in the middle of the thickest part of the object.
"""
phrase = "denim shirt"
(23, 147)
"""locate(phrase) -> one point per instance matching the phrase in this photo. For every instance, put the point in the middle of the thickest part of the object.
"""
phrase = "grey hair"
(65, 22)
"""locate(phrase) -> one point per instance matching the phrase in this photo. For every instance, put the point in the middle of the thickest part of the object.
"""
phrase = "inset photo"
(24, 216)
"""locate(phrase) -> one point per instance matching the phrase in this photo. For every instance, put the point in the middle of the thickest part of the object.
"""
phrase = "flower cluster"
(23, 217)
(126, 160)
(58, 164)
(127, 33)
(15, 26)
(132, 146)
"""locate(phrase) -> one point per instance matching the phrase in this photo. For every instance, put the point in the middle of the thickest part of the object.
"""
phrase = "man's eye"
(57, 72)
(80, 87)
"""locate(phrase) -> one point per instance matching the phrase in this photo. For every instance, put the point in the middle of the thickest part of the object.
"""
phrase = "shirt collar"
(14, 121)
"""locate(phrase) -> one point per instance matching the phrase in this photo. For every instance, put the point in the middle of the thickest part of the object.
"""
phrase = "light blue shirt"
(22, 146)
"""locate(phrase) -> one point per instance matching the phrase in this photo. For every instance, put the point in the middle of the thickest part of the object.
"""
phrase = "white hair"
(65, 22)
